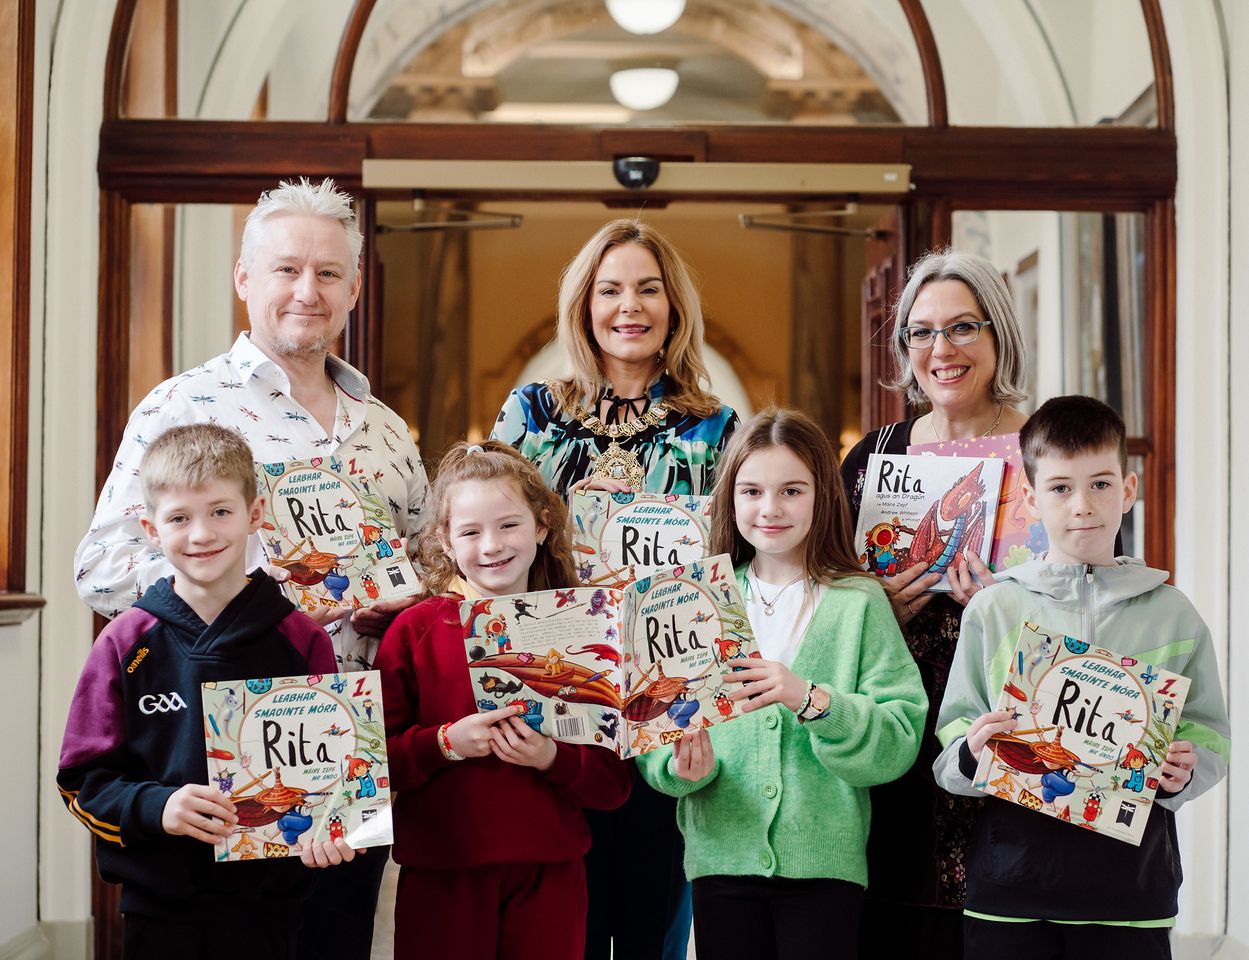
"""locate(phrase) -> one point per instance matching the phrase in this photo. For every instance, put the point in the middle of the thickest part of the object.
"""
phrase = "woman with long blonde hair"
(635, 413)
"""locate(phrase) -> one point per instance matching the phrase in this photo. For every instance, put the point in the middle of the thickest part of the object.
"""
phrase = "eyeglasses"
(960, 334)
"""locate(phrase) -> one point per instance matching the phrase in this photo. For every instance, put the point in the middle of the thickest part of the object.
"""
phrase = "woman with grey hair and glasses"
(960, 353)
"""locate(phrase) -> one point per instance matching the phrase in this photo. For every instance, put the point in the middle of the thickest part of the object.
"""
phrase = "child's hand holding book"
(768, 682)
(198, 811)
(516, 742)
(1178, 767)
(472, 736)
(327, 853)
(693, 757)
(988, 725)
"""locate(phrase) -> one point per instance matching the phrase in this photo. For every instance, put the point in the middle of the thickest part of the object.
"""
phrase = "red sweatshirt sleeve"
(413, 749)
(590, 777)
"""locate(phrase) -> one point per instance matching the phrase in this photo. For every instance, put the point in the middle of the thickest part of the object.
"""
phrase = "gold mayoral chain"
(617, 463)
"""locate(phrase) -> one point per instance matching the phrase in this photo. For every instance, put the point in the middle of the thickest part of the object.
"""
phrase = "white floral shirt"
(246, 390)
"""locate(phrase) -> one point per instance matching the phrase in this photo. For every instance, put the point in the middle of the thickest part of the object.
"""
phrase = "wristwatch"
(808, 710)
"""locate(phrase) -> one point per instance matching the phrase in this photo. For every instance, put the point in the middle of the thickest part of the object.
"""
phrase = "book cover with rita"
(1092, 734)
(1019, 535)
(929, 511)
(618, 537)
(628, 669)
(332, 533)
(302, 758)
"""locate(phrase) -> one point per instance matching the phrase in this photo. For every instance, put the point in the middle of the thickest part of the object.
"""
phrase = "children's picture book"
(1019, 535)
(626, 669)
(332, 533)
(930, 511)
(1093, 731)
(302, 758)
(618, 537)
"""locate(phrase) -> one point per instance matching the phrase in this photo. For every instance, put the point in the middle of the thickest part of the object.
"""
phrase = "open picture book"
(626, 669)
(618, 537)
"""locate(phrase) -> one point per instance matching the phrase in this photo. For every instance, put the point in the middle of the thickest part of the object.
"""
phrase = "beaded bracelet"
(444, 743)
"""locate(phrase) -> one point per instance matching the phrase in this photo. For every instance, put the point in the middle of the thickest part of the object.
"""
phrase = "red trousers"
(515, 911)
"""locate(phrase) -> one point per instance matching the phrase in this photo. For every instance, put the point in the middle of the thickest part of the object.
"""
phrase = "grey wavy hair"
(303, 198)
(985, 283)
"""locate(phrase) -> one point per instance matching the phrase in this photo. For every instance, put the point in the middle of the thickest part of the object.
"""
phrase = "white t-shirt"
(780, 634)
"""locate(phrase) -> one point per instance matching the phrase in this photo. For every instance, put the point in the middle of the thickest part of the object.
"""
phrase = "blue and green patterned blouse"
(677, 456)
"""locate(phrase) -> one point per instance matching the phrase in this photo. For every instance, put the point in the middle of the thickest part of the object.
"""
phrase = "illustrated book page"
(931, 511)
(332, 533)
(618, 537)
(686, 630)
(302, 758)
(1093, 730)
(624, 669)
(1019, 535)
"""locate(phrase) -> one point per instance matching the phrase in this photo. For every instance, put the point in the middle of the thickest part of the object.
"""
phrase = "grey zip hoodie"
(1025, 865)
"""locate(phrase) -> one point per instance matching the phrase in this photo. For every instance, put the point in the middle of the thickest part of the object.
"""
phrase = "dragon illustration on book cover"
(962, 507)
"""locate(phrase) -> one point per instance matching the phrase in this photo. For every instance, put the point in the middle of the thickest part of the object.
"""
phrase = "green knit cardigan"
(791, 800)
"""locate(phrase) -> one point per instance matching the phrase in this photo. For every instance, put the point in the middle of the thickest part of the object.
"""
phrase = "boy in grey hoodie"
(1084, 894)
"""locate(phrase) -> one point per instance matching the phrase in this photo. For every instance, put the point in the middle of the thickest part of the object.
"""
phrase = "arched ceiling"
(842, 49)
(1005, 62)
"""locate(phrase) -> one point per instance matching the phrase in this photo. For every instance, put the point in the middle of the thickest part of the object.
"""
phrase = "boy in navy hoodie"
(1036, 887)
(133, 767)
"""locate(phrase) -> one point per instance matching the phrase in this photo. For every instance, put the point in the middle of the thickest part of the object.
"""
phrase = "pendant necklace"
(769, 606)
(993, 426)
(617, 463)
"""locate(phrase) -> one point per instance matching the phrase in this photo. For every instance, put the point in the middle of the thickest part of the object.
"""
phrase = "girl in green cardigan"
(774, 806)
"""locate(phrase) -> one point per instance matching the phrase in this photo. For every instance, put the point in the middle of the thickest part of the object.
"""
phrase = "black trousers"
(776, 918)
(338, 917)
(907, 930)
(1053, 941)
(152, 938)
(634, 876)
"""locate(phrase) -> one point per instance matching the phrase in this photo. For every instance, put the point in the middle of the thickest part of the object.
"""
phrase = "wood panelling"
(1160, 51)
(17, 32)
(929, 61)
(345, 61)
(115, 59)
(1103, 168)
(1160, 365)
(362, 337)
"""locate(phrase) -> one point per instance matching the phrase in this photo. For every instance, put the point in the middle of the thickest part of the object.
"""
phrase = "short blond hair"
(193, 456)
(686, 370)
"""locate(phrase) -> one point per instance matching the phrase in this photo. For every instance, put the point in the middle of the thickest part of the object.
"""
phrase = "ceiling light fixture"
(645, 16)
(644, 88)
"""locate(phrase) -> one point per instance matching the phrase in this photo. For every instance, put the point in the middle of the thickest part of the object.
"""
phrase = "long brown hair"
(828, 553)
(685, 374)
(494, 460)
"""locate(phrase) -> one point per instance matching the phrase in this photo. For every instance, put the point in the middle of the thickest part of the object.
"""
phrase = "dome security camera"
(635, 173)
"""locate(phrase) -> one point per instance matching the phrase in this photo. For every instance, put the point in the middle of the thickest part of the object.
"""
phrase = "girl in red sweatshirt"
(489, 833)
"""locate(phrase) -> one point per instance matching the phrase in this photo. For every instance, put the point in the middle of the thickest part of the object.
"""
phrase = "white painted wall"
(63, 339)
(1235, 335)
(1202, 421)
